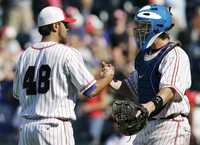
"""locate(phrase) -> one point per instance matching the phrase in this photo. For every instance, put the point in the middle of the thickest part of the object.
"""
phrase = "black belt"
(41, 118)
(169, 117)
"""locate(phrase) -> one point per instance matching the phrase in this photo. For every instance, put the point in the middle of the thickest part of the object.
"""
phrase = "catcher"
(156, 109)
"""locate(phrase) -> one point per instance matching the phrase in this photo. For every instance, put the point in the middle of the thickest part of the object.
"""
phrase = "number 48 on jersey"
(40, 86)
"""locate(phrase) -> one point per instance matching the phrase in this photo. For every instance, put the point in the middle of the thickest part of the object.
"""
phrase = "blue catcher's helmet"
(151, 21)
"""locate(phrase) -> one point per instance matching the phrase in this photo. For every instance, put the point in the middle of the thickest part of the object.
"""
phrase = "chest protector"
(148, 74)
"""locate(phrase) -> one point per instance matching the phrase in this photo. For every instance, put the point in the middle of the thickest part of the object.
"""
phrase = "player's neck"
(159, 43)
(50, 38)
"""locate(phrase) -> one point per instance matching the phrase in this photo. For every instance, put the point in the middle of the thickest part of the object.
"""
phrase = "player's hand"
(107, 70)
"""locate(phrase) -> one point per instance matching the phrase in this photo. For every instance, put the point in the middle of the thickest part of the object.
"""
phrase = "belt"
(41, 118)
(169, 117)
(64, 119)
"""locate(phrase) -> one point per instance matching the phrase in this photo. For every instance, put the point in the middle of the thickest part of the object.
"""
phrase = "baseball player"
(49, 77)
(162, 76)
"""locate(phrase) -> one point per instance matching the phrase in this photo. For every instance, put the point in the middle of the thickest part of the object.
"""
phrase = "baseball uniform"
(49, 77)
(168, 67)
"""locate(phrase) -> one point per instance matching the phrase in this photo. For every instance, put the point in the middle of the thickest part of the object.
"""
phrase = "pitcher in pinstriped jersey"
(162, 76)
(49, 77)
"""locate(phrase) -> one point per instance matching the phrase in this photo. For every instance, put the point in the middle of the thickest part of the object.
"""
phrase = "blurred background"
(103, 31)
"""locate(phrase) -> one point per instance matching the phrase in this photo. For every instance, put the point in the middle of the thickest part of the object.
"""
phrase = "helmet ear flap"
(172, 25)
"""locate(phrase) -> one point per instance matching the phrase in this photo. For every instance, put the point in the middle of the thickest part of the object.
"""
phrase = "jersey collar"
(43, 45)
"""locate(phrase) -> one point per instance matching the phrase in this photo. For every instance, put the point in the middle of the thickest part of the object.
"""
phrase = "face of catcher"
(142, 30)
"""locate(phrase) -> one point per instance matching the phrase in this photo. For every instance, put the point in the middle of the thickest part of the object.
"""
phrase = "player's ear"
(55, 27)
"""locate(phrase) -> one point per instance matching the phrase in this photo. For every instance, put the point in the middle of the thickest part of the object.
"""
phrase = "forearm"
(166, 94)
(101, 84)
(125, 90)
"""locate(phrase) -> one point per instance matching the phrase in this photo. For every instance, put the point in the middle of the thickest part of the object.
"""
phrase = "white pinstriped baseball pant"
(46, 132)
(169, 132)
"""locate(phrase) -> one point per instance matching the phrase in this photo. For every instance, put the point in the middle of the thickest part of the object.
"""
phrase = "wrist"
(149, 106)
(158, 104)
(110, 77)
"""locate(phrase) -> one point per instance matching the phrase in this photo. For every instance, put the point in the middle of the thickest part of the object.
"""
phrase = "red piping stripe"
(177, 132)
(43, 47)
(174, 68)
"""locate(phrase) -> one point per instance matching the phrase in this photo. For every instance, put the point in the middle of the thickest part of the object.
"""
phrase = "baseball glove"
(129, 118)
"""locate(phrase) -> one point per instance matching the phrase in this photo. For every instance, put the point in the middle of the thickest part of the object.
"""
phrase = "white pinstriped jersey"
(175, 73)
(49, 77)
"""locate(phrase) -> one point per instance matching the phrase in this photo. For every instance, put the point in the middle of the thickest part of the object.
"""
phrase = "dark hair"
(164, 35)
(45, 30)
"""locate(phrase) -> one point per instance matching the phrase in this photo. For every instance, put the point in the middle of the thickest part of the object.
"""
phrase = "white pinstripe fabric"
(170, 132)
(46, 132)
(175, 73)
(68, 77)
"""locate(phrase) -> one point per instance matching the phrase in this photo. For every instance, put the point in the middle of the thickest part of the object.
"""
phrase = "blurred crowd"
(103, 32)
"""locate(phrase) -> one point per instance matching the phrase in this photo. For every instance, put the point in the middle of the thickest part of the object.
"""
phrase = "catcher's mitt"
(129, 118)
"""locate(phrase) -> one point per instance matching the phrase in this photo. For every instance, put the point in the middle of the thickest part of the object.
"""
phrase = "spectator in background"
(86, 7)
(7, 62)
(1, 13)
(20, 15)
(12, 45)
(77, 38)
(95, 39)
(4, 7)
(8, 55)
(190, 8)
(120, 61)
(56, 3)
(122, 45)
(190, 39)
(75, 13)
(37, 6)
(118, 34)
(178, 8)
(95, 109)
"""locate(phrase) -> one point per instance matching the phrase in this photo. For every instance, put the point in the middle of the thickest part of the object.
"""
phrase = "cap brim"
(69, 20)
